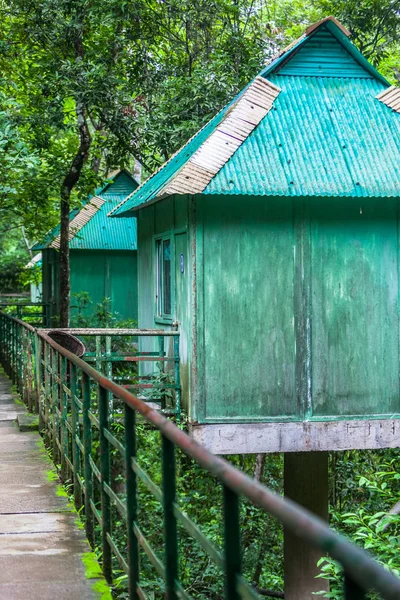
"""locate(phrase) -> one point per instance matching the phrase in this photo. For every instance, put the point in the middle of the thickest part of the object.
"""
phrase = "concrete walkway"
(42, 550)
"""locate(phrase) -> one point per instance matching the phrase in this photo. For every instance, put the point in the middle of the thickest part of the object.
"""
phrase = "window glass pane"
(159, 278)
(166, 276)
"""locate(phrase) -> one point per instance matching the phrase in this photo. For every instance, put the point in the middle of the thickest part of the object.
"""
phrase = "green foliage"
(367, 487)
(101, 316)
(13, 258)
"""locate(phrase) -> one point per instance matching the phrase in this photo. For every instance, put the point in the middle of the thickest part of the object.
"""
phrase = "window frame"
(159, 315)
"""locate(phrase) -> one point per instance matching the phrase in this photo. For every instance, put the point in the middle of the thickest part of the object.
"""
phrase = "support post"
(305, 482)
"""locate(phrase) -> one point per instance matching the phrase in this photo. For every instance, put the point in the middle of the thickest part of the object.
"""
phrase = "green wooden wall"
(103, 274)
(51, 282)
(299, 310)
(293, 310)
(106, 274)
(170, 216)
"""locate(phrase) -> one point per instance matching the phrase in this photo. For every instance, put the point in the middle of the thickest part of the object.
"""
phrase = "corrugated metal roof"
(80, 220)
(149, 189)
(223, 142)
(104, 233)
(91, 229)
(324, 137)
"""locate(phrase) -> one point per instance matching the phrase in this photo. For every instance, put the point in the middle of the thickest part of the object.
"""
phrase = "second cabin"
(272, 239)
(103, 254)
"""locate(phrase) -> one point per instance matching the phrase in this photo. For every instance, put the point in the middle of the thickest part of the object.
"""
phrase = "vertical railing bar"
(170, 526)
(232, 543)
(54, 398)
(87, 445)
(131, 501)
(105, 479)
(64, 416)
(352, 590)
(108, 373)
(161, 350)
(76, 453)
(177, 378)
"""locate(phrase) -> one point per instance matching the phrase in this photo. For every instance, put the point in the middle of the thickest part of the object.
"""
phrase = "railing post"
(177, 378)
(47, 391)
(352, 591)
(232, 543)
(64, 417)
(161, 351)
(87, 445)
(76, 454)
(105, 479)
(170, 528)
(37, 365)
(131, 501)
(55, 404)
(108, 373)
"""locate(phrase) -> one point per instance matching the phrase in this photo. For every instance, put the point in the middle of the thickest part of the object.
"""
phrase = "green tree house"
(103, 253)
(272, 239)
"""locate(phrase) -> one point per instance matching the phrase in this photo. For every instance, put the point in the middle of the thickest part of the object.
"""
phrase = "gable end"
(322, 55)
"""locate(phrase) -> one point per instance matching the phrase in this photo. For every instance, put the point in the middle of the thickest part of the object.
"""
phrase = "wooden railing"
(88, 440)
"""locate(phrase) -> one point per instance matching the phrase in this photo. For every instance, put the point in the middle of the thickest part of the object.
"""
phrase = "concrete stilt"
(305, 482)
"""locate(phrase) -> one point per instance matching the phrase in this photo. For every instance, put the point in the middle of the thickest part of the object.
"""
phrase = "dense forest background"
(89, 86)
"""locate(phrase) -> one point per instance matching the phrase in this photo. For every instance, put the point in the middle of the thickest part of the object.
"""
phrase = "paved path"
(41, 547)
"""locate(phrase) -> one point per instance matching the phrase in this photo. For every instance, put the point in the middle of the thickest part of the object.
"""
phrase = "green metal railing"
(74, 409)
(36, 313)
(144, 371)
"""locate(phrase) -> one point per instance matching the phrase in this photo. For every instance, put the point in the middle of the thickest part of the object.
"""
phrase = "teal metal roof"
(101, 232)
(156, 182)
(326, 135)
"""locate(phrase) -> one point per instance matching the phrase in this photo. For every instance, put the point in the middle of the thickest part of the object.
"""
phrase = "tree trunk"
(70, 180)
(259, 466)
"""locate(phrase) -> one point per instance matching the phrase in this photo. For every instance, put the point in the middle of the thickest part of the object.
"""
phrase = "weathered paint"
(168, 217)
(321, 283)
(106, 275)
(355, 308)
(306, 436)
(246, 326)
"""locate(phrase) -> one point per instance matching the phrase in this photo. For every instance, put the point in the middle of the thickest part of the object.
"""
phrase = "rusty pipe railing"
(66, 385)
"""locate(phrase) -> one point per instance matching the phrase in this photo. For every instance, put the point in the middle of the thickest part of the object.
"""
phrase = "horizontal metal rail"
(73, 417)
(114, 332)
(20, 311)
(154, 375)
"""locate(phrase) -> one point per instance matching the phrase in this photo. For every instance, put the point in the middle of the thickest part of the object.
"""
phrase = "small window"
(164, 303)
(51, 281)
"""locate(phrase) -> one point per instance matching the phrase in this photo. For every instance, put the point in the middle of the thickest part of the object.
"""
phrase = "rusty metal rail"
(71, 393)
